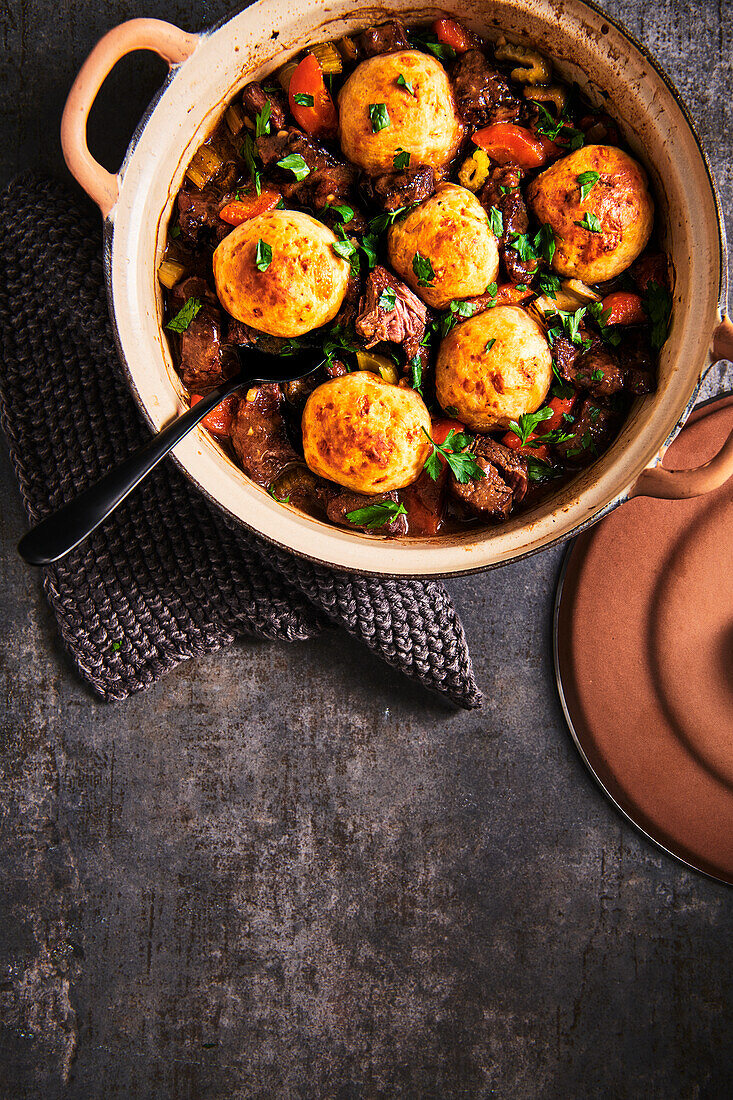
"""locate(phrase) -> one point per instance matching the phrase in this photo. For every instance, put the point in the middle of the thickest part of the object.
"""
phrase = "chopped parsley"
(423, 269)
(185, 315)
(376, 515)
(457, 310)
(262, 121)
(387, 299)
(538, 470)
(249, 155)
(590, 222)
(369, 243)
(346, 249)
(490, 343)
(548, 284)
(568, 322)
(525, 426)
(175, 231)
(608, 332)
(540, 246)
(294, 163)
(462, 463)
(379, 115)
(657, 303)
(496, 221)
(405, 84)
(416, 372)
(263, 255)
(492, 290)
(401, 159)
(346, 212)
(587, 181)
(303, 99)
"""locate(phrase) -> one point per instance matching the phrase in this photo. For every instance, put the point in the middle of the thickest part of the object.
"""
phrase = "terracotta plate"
(644, 657)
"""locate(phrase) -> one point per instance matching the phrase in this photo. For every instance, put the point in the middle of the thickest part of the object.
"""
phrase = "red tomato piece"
(452, 34)
(317, 115)
(219, 420)
(241, 210)
(559, 406)
(509, 144)
(624, 308)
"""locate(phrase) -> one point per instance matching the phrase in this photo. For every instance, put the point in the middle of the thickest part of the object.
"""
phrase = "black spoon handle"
(61, 532)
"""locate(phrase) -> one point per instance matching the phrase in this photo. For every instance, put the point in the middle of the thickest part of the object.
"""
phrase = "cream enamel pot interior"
(206, 71)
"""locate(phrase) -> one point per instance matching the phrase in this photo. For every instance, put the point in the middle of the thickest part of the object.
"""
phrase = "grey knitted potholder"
(168, 576)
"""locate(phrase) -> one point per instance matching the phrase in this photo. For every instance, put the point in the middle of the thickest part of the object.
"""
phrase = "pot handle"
(170, 42)
(682, 484)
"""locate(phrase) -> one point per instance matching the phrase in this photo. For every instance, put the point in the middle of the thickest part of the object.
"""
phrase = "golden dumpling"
(601, 235)
(446, 243)
(301, 287)
(365, 434)
(379, 117)
(493, 367)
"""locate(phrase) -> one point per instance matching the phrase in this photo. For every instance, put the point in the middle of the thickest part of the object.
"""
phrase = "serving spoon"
(59, 533)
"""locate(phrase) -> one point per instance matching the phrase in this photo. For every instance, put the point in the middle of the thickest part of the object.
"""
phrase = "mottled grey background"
(286, 873)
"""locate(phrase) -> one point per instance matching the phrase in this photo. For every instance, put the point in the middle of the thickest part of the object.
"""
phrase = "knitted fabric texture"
(168, 576)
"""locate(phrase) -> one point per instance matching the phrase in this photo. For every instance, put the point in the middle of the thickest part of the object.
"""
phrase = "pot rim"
(619, 498)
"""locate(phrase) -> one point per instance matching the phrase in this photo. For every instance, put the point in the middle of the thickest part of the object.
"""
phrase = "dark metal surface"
(286, 873)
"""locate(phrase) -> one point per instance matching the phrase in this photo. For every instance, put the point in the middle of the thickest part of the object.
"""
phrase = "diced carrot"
(509, 144)
(560, 406)
(624, 308)
(219, 420)
(241, 210)
(452, 34)
(310, 100)
(440, 429)
(514, 443)
(509, 294)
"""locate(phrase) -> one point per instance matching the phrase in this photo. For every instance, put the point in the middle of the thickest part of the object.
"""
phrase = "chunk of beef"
(638, 361)
(502, 191)
(403, 324)
(336, 369)
(255, 99)
(298, 486)
(398, 189)
(386, 38)
(482, 93)
(328, 181)
(205, 359)
(350, 305)
(592, 431)
(339, 502)
(245, 336)
(504, 484)
(199, 211)
(259, 435)
(652, 267)
(565, 354)
(597, 370)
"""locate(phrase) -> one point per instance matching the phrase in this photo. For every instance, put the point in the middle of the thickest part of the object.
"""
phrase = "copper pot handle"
(681, 484)
(171, 43)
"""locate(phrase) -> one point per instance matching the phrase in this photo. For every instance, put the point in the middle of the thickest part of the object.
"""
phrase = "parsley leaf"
(608, 332)
(458, 308)
(346, 212)
(376, 515)
(567, 321)
(345, 249)
(387, 299)
(657, 303)
(263, 255)
(443, 53)
(590, 222)
(496, 221)
(379, 115)
(492, 290)
(490, 343)
(185, 315)
(262, 121)
(462, 463)
(249, 155)
(539, 471)
(416, 372)
(175, 231)
(527, 423)
(587, 181)
(401, 159)
(544, 243)
(548, 284)
(423, 268)
(294, 163)
(405, 84)
(303, 99)
(546, 124)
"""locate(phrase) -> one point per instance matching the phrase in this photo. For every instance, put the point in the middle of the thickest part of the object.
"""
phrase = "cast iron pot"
(207, 69)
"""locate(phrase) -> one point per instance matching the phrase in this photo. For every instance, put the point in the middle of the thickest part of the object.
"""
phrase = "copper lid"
(644, 657)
